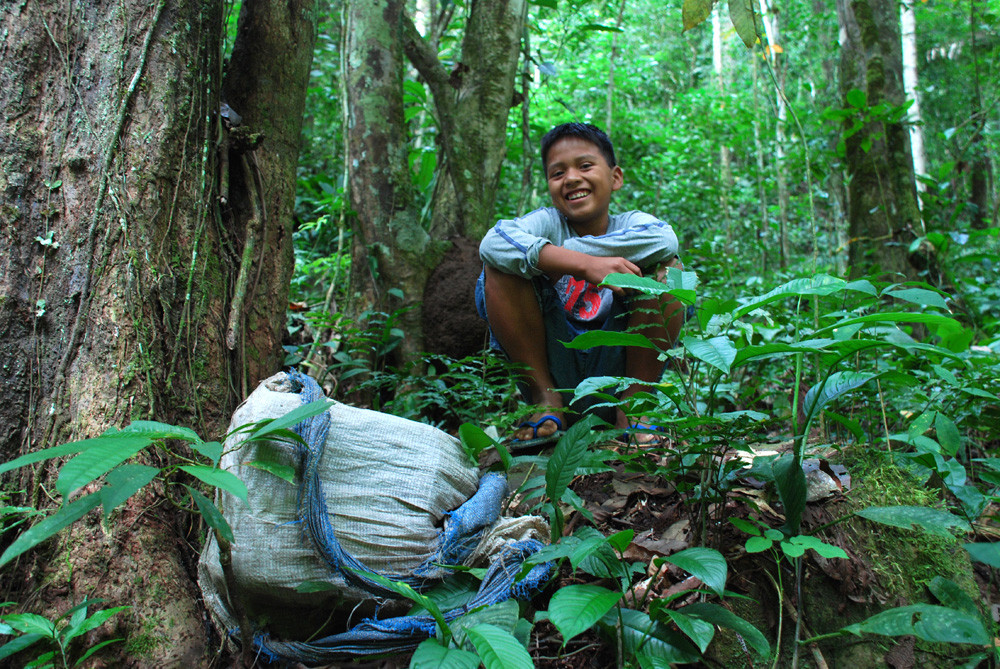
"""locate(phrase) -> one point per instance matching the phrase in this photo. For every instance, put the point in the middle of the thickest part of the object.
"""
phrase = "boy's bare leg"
(660, 319)
(516, 320)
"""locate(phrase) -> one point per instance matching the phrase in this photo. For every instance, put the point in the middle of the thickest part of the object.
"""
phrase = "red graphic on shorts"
(578, 289)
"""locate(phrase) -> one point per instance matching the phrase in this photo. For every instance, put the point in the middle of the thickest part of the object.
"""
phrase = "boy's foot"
(540, 426)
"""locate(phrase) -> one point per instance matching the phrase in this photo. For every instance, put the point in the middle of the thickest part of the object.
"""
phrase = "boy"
(539, 285)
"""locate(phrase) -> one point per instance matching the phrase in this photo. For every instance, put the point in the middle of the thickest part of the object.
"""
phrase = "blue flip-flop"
(643, 428)
(536, 440)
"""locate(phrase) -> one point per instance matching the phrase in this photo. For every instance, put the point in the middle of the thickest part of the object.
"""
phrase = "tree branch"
(425, 59)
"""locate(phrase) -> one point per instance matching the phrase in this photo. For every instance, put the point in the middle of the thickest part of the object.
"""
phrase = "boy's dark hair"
(584, 131)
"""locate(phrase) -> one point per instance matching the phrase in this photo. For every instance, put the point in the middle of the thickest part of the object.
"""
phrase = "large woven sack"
(387, 482)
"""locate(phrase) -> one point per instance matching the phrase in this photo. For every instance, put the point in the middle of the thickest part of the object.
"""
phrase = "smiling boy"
(539, 285)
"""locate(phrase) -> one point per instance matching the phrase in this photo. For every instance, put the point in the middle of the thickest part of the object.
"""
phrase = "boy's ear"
(617, 178)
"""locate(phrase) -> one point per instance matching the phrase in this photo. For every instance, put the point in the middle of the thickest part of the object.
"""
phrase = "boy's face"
(580, 183)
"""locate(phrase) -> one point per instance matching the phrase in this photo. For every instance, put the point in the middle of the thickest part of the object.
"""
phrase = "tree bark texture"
(883, 216)
(392, 249)
(120, 271)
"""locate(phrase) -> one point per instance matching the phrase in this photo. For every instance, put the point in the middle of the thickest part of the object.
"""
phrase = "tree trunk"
(110, 154)
(883, 215)
(769, 18)
(726, 181)
(908, 36)
(392, 249)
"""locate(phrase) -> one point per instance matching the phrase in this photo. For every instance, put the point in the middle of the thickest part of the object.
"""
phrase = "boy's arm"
(514, 246)
(640, 238)
(559, 260)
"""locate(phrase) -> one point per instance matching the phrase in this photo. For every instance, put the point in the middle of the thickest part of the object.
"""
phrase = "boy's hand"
(557, 261)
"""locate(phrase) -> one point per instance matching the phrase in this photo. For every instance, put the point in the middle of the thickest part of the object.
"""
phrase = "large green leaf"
(54, 452)
(155, 430)
(707, 564)
(213, 517)
(896, 317)
(20, 643)
(653, 643)
(837, 384)
(694, 12)
(719, 352)
(678, 284)
(36, 534)
(921, 296)
(503, 615)
(430, 654)
(790, 481)
(567, 455)
(987, 553)
(99, 459)
(934, 521)
(718, 615)
(745, 20)
(123, 482)
(574, 609)
(951, 595)
(292, 418)
(699, 631)
(474, 440)
(210, 449)
(821, 284)
(938, 624)
(776, 349)
(593, 338)
(219, 478)
(499, 649)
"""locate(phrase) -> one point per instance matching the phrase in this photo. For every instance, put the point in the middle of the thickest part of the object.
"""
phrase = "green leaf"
(474, 440)
(573, 609)
(49, 453)
(937, 624)
(292, 418)
(719, 352)
(745, 20)
(987, 553)
(31, 623)
(65, 516)
(155, 430)
(593, 338)
(694, 12)
(213, 517)
(745, 526)
(824, 549)
(699, 631)
(93, 649)
(430, 654)
(722, 617)
(821, 284)
(97, 460)
(567, 455)
(947, 434)
(857, 98)
(210, 449)
(837, 384)
(498, 648)
(934, 521)
(921, 296)
(897, 317)
(678, 284)
(96, 620)
(707, 564)
(646, 639)
(19, 644)
(792, 550)
(621, 540)
(122, 483)
(218, 478)
(503, 615)
(952, 596)
(283, 472)
(758, 544)
(790, 481)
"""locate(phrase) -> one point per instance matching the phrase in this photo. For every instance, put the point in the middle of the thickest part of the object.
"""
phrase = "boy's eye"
(555, 174)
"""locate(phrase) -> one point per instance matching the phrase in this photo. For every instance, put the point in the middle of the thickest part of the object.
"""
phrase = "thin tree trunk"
(725, 167)
(769, 18)
(609, 99)
(764, 224)
(908, 35)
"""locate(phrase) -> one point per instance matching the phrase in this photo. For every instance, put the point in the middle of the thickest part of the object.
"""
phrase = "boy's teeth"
(577, 196)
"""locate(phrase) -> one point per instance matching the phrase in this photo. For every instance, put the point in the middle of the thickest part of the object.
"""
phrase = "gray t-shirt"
(513, 246)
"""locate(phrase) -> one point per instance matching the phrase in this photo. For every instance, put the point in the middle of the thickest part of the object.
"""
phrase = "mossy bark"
(118, 273)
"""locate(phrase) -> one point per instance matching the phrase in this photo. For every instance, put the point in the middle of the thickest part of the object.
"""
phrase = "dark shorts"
(569, 366)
